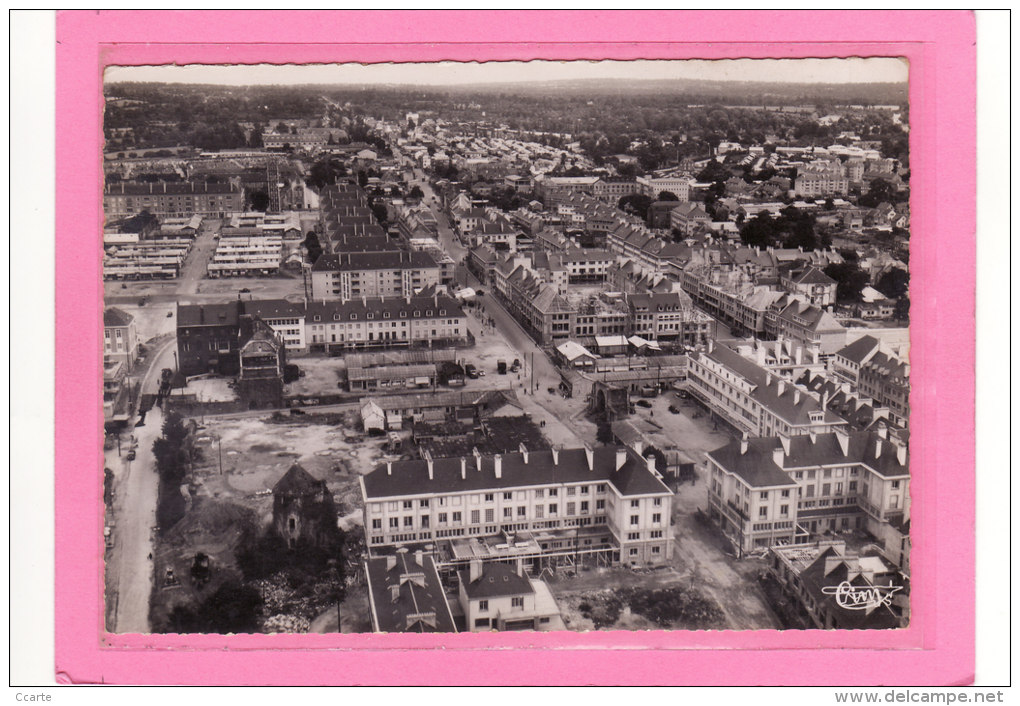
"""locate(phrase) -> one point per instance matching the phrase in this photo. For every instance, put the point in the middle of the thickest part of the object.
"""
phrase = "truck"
(501, 367)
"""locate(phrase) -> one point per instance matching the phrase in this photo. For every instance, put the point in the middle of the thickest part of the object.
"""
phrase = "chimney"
(844, 440)
(389, 468)
(878, 448)
(650, 464)
(463, 468)
(478, 458)
(825, 400)
(524, 452)
(391, 562)
(497, 463)
(418, 557)
(782, 387)
(431, 464)
(711, 344)
(519, 567)
(590, 456)
(474, 570)
(901, 454)
(798, 354)
(882, 430)
(777, 456)
(785, 441)
(744, 443)
(621, 457)
(796, 396)
(395, 592)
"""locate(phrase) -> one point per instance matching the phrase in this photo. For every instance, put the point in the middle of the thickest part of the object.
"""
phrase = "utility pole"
(219, 444)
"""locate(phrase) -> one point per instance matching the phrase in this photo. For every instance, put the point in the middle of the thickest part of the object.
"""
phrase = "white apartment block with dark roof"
(752, 399)
(784, 490)
(598, 499)
(352, 275)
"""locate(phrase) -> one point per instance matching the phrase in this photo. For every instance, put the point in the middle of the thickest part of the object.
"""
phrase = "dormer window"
(428, 313)
(403, 314)
(370, 315)
(354, 317)
(386, 315)
(317, 318)
(417, 313)
(442, 312)
(336, 317)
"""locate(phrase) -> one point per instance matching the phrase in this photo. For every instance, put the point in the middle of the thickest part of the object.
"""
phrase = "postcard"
(556, 344)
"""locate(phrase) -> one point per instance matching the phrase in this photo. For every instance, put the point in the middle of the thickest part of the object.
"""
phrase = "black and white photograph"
(507, 346)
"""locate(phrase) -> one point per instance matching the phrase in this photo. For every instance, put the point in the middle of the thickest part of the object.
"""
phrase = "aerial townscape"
(586, 354)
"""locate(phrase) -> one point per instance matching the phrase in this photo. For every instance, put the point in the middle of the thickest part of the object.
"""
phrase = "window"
(457, 517)
(517, 602)
(481, 622)
(408, 504)
(633, 551)
(633, 536)
(475, 517)
(408, 521)
(584, 506)
(657, 517)
(656, 549)
(634, 519)
(763, 512)
(784, 509)
(508, 512)
(600, 504)
(826, 488)
(489, 497)
(764, 495)
(539, 493)
(895, 485)
(553, 492)
(522, 511)
(490, 515)
(635, 503)
(394, 523)
(784, 493)
(376, 524)
(508, 496)
(483, 606)
(552, 509)
(571, 490)
(894, 501)
(853, 486)
(442, 518)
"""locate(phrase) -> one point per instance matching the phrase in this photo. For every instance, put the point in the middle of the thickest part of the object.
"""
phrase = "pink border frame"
(938, 647)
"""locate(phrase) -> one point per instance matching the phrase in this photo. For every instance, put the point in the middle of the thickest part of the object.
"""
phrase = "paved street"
(135, 515)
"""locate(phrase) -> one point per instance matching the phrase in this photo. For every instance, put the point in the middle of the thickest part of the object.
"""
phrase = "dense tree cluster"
(792, 229)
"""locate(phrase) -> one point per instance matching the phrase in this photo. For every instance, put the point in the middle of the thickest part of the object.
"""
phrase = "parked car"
(131, 455)
(297, 412)
(674, 410)
(644, 403)
(501, 367)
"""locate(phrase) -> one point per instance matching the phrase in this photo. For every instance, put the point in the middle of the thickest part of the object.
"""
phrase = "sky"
(866, 70)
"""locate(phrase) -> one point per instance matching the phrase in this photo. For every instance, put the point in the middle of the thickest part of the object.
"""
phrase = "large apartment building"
(784, 490)
(207, 334)
(352, 275)
(602, 499)
(752, 399)
(173, 199)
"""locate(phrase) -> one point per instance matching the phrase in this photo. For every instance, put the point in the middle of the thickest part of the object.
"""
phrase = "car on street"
(674, 410)
(131, 455)
(644, 403)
